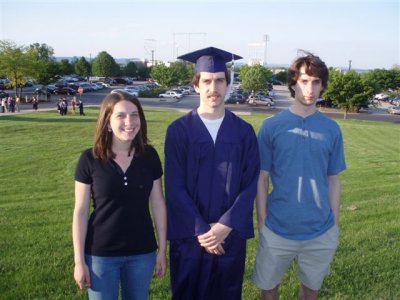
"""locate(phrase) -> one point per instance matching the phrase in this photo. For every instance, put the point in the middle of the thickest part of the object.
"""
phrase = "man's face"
(307, 89)
(212, 88)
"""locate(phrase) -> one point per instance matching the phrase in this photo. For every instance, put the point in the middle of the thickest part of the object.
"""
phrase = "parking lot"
(282, 101)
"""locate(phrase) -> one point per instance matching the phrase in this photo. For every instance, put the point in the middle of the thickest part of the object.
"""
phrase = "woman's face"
(124, 121)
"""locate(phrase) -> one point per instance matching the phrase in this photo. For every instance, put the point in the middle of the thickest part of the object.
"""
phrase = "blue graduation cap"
(210, 59)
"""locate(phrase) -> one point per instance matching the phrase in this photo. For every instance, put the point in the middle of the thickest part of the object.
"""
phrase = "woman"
(122, 174)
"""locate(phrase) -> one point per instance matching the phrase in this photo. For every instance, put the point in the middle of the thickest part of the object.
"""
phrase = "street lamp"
(149, 47)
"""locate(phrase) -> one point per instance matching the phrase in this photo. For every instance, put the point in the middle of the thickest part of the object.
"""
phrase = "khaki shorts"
(275, 255)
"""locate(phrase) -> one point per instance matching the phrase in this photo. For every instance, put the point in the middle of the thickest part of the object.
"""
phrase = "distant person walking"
(11, 104)
(3, 105)
(80, 105)
(73, 104)
(17, 103)
(34, 104)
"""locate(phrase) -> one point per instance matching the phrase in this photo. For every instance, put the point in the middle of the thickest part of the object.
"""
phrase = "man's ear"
(196, 88)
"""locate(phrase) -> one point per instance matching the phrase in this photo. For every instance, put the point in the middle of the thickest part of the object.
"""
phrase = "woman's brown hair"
(102, 148)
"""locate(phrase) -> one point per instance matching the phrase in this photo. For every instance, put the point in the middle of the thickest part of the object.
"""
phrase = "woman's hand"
(81, 276)
(161, 264)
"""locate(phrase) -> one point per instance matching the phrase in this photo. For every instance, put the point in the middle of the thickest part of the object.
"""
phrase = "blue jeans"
(134, 273)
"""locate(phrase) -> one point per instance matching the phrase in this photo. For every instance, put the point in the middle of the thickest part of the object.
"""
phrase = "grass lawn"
(38, 156)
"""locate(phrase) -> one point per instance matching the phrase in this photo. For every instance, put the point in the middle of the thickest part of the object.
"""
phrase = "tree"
(182, 71)
(143, 72)
(47, 68)
(387, 79)
(47, 72)
(130, 69)
(43, 51)
(18, 63)
(83, 67)
(349, 91)
(104, 65)
(281, 76)
(66, 67)
(254, 78)
(163, 75)
(177, 73)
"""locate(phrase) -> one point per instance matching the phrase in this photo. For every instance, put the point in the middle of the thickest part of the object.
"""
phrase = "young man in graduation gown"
(211, 171)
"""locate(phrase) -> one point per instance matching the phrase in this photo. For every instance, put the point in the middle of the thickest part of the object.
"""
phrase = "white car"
(394, 110)
(96, 87)
(171, 94)
(103, 84)
(260, 100)
(129, 91)
(132, 90)
(381, 96)
(187, 89)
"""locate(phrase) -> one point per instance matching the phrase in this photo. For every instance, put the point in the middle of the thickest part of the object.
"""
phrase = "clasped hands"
(213, 239)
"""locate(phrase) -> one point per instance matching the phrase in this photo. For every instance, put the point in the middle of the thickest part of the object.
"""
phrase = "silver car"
(394, 110)
(260, 100)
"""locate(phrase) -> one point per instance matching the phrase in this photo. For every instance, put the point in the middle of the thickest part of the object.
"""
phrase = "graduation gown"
(208, 183)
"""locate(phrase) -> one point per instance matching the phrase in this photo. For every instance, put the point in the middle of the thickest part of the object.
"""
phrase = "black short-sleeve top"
(120, 223)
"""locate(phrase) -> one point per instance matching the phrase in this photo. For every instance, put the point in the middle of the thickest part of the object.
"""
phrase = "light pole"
(188, 35)
(90, 63)
(266, 39)
(150, 48)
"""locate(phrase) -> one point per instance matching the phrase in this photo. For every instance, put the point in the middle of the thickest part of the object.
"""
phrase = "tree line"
(36, 61)
(348, 90)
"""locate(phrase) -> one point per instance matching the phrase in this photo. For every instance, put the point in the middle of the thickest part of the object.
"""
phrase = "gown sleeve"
(240, 214)
(184, 218)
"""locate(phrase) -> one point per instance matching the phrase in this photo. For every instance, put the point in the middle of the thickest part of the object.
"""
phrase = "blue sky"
(367, 32)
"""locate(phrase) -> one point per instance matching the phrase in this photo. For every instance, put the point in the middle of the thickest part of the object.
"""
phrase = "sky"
(365, 32)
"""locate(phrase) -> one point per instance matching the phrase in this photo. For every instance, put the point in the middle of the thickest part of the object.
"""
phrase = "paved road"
(282, 101)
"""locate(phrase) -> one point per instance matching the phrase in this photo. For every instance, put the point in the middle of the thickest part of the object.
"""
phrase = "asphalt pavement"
(188, 102)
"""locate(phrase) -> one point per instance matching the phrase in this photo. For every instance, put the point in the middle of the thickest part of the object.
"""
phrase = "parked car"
(95, 86)
(395, 101)
(320, 102)
(394, 110)
(131, 92)
(235, 98)
(260, 100)
(104, 84)
(170, 94)
(3, 94)
(5, 84)
(61, 83)
(364, 107)
(28, 83)
(98, 85)
(87, 87)
(42, 91)
(121, 81)
(179, 91)
(51, 88)
(187, 89)
(64, 91)
(382, 97)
